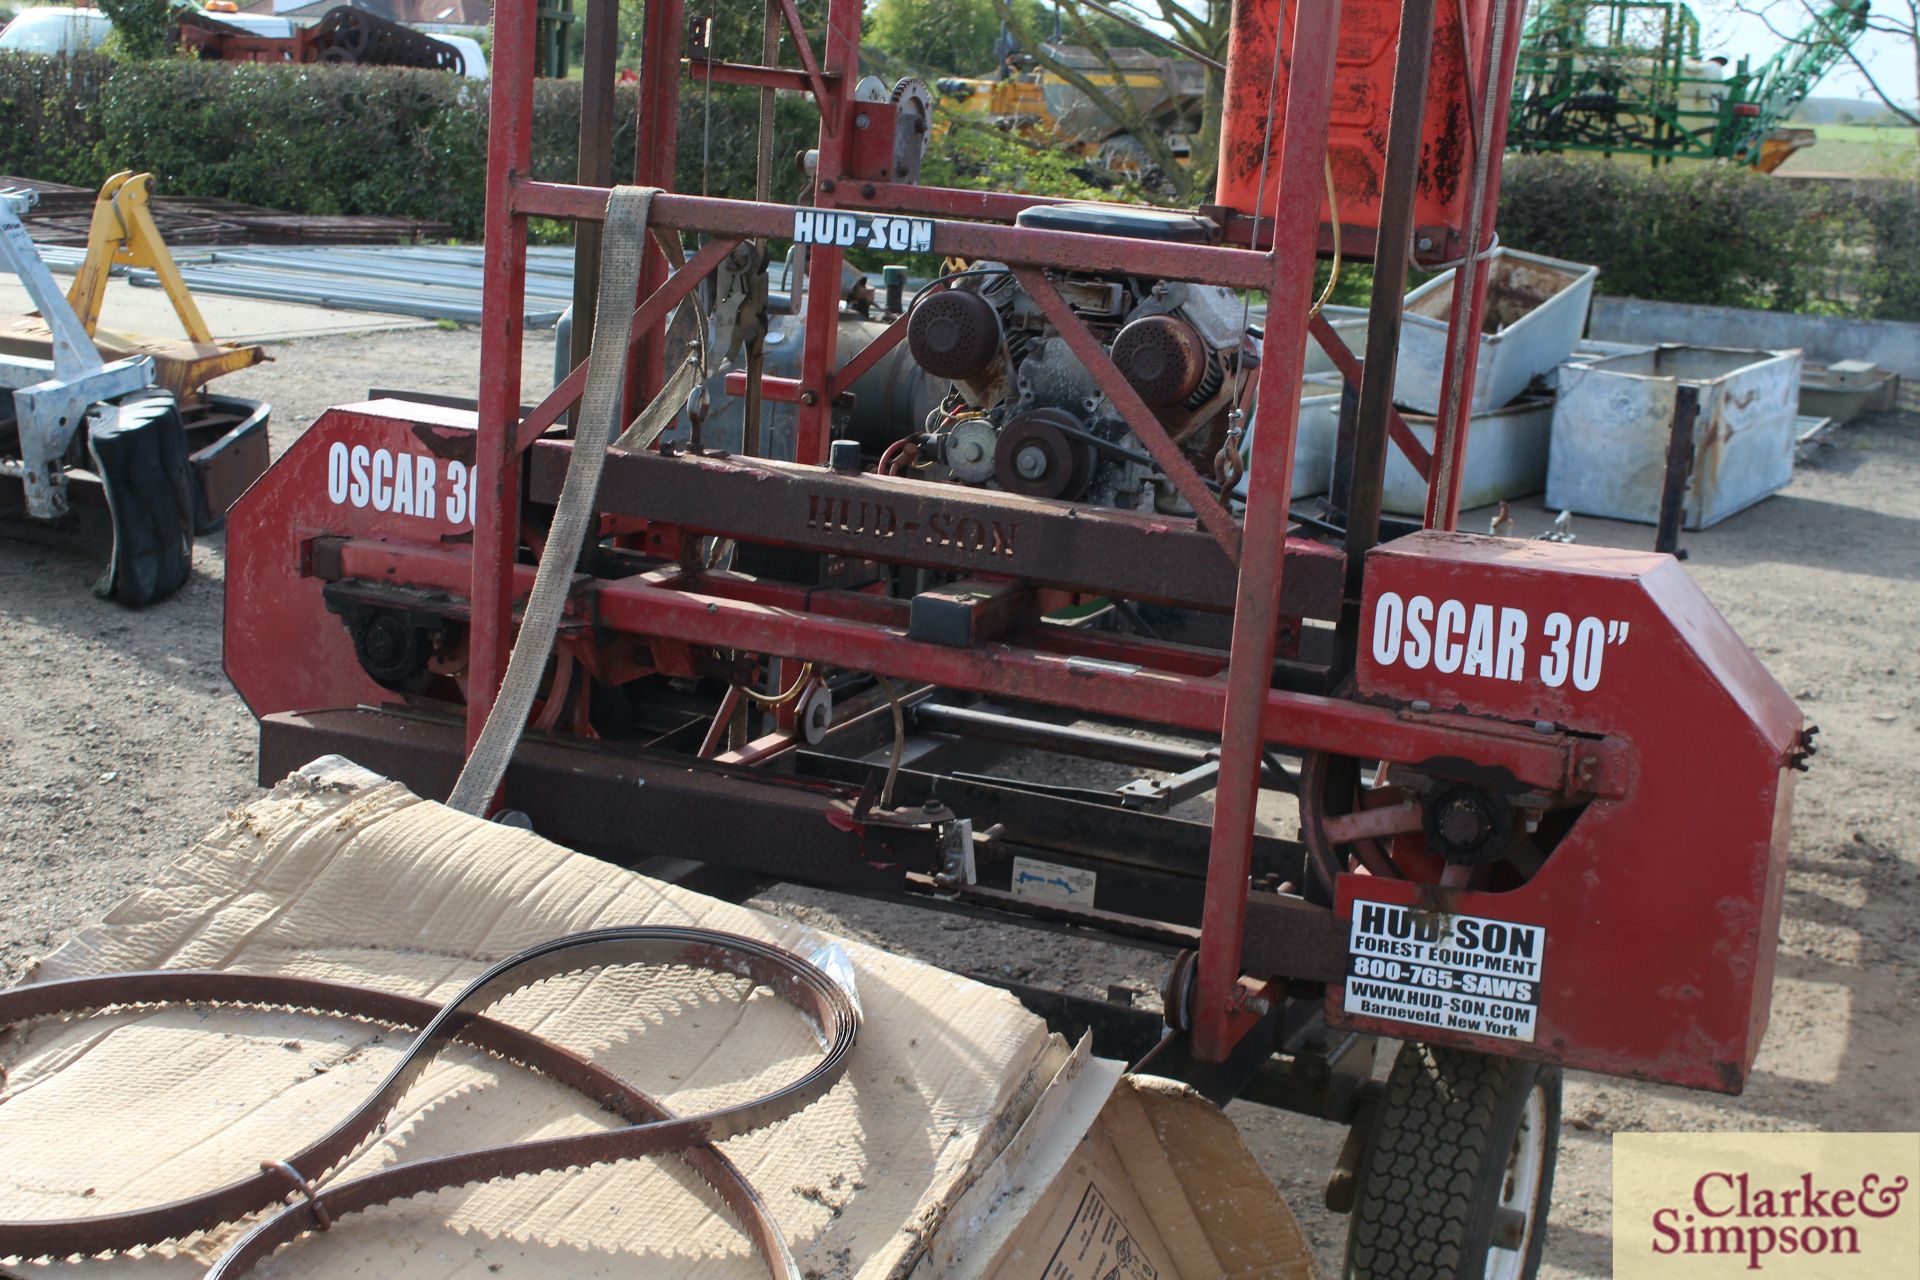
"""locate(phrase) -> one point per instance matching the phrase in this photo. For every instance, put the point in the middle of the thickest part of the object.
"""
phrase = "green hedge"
(315, 139)
(49, 122)
(322, 139)
(1722, 236)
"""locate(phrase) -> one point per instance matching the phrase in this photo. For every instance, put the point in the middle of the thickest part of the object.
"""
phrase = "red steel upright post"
(818, 355)
(1217, 1020)
(496, 516)
(1456, 416)
(656, 143)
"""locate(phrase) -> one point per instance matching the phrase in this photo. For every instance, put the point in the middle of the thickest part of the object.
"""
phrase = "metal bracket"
(73, 350)
(957, 868)
(739, 299)
(50, 412)
(51, 397)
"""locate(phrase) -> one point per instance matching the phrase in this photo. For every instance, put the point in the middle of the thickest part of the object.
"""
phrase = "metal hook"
(298, 1179)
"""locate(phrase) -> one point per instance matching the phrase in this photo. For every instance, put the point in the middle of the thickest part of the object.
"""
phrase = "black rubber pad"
(139, 449)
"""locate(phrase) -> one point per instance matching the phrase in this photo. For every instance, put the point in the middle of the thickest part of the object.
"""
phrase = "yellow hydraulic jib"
(123, 232)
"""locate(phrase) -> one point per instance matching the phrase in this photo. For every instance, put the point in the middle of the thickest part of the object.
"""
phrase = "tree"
(738, 28)
(953, 36)
(1898, 20)
(139, 26)
(1202, 26)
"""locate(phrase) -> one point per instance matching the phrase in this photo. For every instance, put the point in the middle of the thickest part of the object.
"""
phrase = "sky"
(1724, 29)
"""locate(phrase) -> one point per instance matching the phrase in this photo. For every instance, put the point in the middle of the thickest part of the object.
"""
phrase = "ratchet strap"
(651, 1130)
(622, 245)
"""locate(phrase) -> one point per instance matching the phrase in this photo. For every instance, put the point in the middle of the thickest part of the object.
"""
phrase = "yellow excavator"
(1030, 97)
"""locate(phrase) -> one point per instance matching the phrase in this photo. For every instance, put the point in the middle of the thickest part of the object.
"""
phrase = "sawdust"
(1822, 581)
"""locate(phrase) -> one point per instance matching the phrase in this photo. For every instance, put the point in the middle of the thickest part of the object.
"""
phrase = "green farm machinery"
(1626, 77)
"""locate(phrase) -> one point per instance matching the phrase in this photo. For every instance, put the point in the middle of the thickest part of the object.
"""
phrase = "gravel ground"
(122, 742)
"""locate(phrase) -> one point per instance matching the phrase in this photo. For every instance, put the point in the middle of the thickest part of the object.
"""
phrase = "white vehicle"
(56, 31)
(473, 62)
(255, 24)
(64, 30)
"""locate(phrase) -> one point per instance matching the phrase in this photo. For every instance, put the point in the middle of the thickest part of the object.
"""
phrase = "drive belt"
(650, 1130)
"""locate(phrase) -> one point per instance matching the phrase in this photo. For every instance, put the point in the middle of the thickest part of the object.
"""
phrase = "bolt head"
(1030, 462)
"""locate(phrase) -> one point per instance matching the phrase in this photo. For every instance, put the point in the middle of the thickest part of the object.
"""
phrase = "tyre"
(1458, 1169)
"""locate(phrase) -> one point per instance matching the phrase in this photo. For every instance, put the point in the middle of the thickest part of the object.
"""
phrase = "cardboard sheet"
(1134, 1178)
(346, 876)
(965, 1139)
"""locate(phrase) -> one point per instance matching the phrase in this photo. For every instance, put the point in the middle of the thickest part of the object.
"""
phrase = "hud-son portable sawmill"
(1045, 504)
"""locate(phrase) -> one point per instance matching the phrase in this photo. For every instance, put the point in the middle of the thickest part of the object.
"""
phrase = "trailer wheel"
(1458, 1170)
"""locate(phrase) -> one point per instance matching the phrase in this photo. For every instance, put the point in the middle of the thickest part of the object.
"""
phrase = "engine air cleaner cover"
(1119, 220)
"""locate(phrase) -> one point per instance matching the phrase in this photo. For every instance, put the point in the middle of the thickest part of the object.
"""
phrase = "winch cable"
(722, 549)
(762, 192)
(622, 242)
(706, 97)
(828, 1008)
(1458, 338)
(1234, 460)
(1236, 427)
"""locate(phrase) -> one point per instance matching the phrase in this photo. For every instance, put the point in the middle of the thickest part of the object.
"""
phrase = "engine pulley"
(1037, 458)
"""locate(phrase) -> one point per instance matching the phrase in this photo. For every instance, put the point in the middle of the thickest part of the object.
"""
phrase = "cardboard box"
(961, 1119)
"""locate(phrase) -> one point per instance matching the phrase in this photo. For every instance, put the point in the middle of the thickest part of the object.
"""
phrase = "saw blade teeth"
(653, 1131)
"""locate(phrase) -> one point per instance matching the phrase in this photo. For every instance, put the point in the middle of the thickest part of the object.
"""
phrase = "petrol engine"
(1025, 415)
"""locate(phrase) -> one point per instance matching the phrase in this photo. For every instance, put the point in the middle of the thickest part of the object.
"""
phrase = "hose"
(781, 699)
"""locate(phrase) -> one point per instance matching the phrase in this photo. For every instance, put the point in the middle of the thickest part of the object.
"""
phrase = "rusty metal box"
(1313, 440)
(1536, 312)
(1506, 458)
(1614, 417)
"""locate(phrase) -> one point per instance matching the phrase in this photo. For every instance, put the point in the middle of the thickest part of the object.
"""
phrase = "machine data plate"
(1051, 882)
(1463, 973)
(867, 230)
